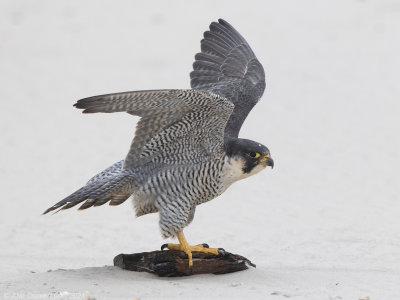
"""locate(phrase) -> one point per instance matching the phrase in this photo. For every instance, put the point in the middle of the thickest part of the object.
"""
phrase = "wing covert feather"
(175, 125)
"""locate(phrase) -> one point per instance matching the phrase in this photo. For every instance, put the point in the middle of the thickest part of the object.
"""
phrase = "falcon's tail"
(115, 189)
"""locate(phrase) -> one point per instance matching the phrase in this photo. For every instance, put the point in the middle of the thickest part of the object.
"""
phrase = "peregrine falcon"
(186, 149)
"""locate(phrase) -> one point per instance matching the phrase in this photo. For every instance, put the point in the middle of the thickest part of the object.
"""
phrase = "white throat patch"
(233, 170)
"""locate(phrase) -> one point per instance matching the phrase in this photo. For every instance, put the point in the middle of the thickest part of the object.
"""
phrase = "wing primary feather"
(230, 69)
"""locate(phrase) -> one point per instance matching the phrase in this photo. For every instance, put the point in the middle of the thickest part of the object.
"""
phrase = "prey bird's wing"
(228, 67)
(176, 126)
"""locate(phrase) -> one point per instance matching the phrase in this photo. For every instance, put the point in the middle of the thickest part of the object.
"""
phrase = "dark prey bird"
(186, 149)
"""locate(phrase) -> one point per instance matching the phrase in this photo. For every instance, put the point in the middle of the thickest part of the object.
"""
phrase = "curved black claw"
(205, 245)
(163, 246)
(221, 251)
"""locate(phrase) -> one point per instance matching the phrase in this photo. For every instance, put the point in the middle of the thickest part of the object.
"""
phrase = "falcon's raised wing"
(176, 126)
(228, 67)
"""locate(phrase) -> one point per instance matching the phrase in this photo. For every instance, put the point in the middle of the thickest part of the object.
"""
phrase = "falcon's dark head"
(251, 157)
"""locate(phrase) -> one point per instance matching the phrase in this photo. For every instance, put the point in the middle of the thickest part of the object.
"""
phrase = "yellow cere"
(264, 158)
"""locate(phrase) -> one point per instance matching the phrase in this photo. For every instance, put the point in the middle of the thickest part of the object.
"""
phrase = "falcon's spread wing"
(228, 67)
(108, 173)
(176, 126)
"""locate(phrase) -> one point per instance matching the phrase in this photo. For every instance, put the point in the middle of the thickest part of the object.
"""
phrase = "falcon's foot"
(185, 247)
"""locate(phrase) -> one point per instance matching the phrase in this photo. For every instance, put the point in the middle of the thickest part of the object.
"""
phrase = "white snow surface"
(323, 224)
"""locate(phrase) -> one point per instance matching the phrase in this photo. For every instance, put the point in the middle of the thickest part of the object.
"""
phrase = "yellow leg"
(185, 247)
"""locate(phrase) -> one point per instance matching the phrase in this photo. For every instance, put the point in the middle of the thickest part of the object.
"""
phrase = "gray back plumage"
(228, 67)
(176, 126)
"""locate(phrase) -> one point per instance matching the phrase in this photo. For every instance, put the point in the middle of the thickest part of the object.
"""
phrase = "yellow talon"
(185, 247)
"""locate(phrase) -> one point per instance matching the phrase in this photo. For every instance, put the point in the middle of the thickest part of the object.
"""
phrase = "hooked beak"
(268, 161)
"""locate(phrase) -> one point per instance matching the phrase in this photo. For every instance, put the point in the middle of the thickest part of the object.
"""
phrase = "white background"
(323, 224)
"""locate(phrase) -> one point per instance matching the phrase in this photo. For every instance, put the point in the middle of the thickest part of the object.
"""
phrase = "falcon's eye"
(254, 154)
